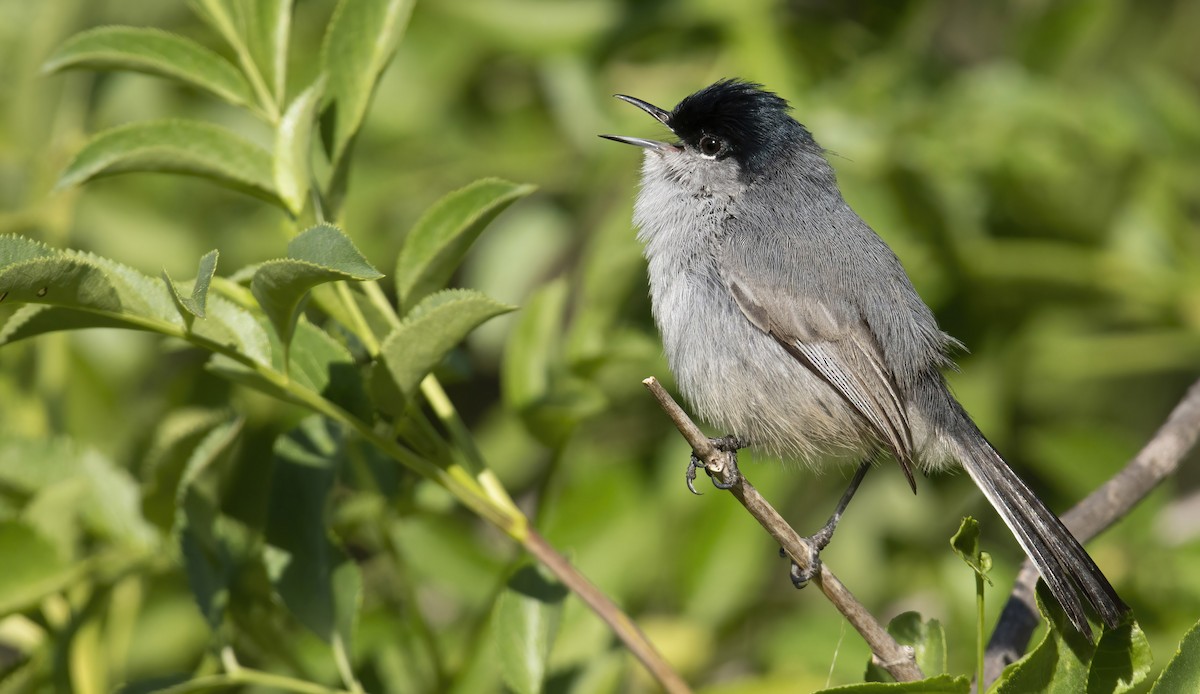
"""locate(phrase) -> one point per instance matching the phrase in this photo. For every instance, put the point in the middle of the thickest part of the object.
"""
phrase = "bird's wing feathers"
(838, 346)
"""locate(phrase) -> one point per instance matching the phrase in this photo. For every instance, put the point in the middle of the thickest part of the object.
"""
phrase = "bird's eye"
(711, 146)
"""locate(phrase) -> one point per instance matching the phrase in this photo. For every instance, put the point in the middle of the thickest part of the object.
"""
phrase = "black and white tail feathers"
(1064, 565)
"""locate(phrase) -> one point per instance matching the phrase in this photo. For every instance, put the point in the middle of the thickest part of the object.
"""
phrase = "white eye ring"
(710, 146)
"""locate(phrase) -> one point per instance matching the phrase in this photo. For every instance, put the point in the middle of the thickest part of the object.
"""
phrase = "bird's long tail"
(1064, 565)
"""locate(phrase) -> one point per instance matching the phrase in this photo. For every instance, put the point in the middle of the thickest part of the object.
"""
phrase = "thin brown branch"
(629, 633)
(890, 655)
(1159, 459)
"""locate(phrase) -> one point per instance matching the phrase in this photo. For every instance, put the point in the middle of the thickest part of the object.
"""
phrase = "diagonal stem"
(891, 656)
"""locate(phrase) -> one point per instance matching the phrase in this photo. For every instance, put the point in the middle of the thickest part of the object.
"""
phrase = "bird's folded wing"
(838, 347)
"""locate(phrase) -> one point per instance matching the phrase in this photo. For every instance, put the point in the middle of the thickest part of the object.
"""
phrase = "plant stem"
(633, 637)
(979, 640)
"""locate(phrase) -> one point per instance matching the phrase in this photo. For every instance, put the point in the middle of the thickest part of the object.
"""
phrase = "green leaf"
(39, 571)
(194, 305)
(154, 52)
(1122, 661)
(180, 436)
(32, 320)
(176, 146)
(358, 45)
(58, 281)
(927, 639)
(319, 254)
(434, 247)
(966, 545)
(293, 148)
(527, 617)
(305, 566)
(1059, 663)
(323, 365)
(423, 339)
(1182, 674)
(265, 25)
(942, 684)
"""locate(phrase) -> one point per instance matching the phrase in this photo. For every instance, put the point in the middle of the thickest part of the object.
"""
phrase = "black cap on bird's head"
(731, 118)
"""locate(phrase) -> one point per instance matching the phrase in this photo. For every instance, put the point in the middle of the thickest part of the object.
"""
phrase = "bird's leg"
(728, 444)
(818, 540)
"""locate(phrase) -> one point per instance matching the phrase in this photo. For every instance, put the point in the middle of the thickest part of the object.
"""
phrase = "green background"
(1036, 166)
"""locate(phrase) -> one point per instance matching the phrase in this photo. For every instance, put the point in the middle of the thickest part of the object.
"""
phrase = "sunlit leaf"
(926, 638)
(422, 340)
(194, 304)
(176, 146)
(1182, 674)
(293, 148)
(358, 45)
(320, 254)
(1059, 663)
(155, 52)
(1122, 661)
(526, 621)
(437, 243)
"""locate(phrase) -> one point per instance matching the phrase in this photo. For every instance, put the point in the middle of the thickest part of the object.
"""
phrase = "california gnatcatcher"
(787, 321)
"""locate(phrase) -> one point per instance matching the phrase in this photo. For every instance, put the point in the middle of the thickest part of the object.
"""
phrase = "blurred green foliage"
(1036, 166)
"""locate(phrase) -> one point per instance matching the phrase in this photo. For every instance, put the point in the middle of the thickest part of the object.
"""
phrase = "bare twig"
(890, 655)
(1155, 462)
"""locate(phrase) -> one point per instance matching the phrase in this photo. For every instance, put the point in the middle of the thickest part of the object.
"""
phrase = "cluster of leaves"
(1041, 210)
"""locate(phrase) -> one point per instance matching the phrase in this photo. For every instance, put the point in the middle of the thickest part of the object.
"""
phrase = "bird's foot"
(727, 444)
(815, 543)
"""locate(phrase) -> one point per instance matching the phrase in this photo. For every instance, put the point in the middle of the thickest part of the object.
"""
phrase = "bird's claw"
(802, 577)
(727, 444)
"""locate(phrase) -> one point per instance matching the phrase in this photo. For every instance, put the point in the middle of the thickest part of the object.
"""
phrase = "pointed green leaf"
(1059, 663)
(1182, 674)
(265, 25)
(319, 254)
(527, 616)
(176, 146)
(323, 365)
(194, 305)
(1122, 661)
(422, 340)
(434, 247)
(358, 45)
(293, 148)
(155, 52)
(942, 684)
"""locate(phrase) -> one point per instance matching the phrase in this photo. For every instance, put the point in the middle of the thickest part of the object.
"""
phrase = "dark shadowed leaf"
(527, 616)
(155, 52)
(317, 582)
(942, 684)
(437, 243)
(176, 146)
(423, 339)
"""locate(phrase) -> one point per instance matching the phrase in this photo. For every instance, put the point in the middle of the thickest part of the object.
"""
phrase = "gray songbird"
(788, 322)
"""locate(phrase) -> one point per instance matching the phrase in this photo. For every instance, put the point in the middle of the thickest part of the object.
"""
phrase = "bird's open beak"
(660, 115)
